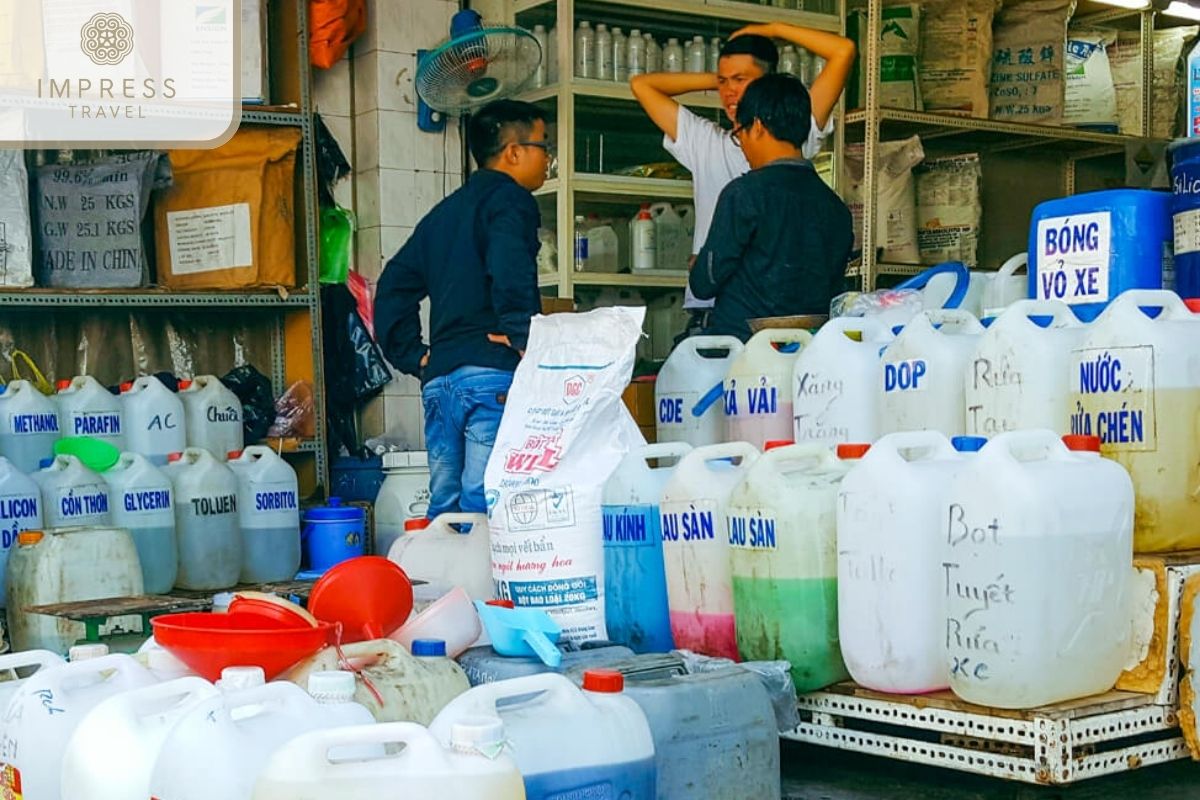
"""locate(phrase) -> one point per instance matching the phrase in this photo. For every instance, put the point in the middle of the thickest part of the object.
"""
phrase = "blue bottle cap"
(45, 462)
(968, 444)
(428, 647)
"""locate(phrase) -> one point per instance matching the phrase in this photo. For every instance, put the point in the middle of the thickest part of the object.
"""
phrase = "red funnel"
(369, 595)
(210, 642)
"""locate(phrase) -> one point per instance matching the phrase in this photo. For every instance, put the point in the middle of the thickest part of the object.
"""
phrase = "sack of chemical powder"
(949, 209)
(1091, 100)
(895, 198)
(956, 55)
(564, 431)
(16, 245)
(1029, 37)
(1166, 99)
(899, 43)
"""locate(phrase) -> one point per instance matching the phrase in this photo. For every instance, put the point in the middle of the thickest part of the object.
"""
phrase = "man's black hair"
(489, 129)
(781, 103)
(760, 48)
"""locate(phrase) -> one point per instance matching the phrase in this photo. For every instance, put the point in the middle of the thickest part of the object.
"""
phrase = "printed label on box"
(210, 239)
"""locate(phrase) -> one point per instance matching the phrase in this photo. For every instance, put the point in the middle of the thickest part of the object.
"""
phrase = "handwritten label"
(971, 595)
(816, 408)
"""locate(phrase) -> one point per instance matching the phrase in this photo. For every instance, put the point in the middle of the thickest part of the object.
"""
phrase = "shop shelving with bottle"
(285, 324)
(588, 112)
(1023, 164)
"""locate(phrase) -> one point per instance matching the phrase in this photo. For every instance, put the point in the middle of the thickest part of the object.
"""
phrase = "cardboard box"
(228, 222)
(557, 305)
(639, 399)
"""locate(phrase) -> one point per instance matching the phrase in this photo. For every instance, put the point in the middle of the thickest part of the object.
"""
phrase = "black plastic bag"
(258, 401)
(354, 364)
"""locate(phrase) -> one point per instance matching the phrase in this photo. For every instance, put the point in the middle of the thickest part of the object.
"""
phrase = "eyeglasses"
(737, 132)
(545, 146)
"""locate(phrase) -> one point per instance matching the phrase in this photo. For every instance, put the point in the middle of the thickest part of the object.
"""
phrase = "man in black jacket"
(475, 257)
(780, 237)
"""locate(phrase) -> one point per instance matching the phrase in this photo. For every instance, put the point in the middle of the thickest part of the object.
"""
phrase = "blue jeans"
(462, 415)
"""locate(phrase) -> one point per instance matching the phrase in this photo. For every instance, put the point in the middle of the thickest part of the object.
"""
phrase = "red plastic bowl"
(210, 642)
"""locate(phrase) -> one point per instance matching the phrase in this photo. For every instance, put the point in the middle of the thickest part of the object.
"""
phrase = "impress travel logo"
(105, 73)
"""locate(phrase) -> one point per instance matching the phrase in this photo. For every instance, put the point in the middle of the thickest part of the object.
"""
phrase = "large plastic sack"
(564, 431)
(16, 239)
(334, 24)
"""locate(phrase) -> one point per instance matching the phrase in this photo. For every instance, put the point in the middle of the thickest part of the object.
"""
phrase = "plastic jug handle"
(718, 452)
(257, 450)
(1131, 299)
(546, 650)
(118, 663)
(482, 699)
(274, 693)
(1010, 267)
(871, 328)
(934, 442)
(711, 396)
(731, 343)
(1027, 445)
(1059, 312)
(145, 701)
(956, 268)
(444, 521)
(314, 747)
(674, 450)
(819, 454)
(30, 658)
(763, 342)
(954, 316)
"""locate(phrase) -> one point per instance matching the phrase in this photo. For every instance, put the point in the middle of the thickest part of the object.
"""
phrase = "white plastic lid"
(472, 734)
(234, 678)
(332, 686)
(160, 660)
(414, 459)
(83, 652)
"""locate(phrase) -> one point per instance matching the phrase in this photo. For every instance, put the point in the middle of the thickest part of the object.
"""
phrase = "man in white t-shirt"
(708, 151)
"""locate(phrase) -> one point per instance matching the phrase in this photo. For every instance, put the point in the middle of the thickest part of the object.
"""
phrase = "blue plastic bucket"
(1185, 214)
(332, 534)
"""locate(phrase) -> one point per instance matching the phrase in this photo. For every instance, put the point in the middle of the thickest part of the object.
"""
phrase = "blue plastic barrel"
(332, 534)
(1185, 214)
(1086, 249)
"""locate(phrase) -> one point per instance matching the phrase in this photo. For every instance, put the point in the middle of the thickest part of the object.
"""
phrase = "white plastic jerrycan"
(154, 421)
(1019, 376)
(412, 688)
(143, 503)
(403, 496)
(72, 494)
(213, 414)
(20, 510)
(1135, 384)
(445, 558)
(783, 557)
(269, 515)
(1003, 287)
(16, 670)
(65, 565)
(220, 746)
(891, 519)
(689, 391)
(835, 397)
(44, 712)
(473, 767)
(85, 408)
(29, 425)
(111, 754)
(696, 546)
(1037, 554)
(206, 521)
(758, 388)
(921, 374)
(567, 742)
(673, 249)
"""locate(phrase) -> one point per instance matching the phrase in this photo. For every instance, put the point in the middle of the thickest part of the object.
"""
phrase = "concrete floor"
(817, 773)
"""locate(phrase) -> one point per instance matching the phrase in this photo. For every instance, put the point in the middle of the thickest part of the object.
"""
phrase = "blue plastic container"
(332, 534)
(357, 478)
(1086, 249)
(1185, 214)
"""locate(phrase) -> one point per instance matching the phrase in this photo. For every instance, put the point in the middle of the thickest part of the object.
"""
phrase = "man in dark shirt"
(475, 257)
(780, 237)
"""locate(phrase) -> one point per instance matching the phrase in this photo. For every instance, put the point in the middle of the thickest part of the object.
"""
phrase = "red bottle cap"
(1082, 444)
(126, 386)
(184, 384)
(173, 457)
(501, 603)
(418, 524)
(63, 384)
(233, 455)
(1193, 304)
(848, 451)
(608, 681)
(774, 443)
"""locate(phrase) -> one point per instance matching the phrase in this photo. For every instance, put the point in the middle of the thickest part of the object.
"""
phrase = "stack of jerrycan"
(835, 394)
(485, 665)
(921, 375)
(206, 521)
(758, 388)
(698, 720)
(142, 503)
(1134, 383)
(20, 510)
(403, 497)
(689, 391)
(567, 742)
(85, 408)
(444, 557)
(1037, 558)
(72, 495)
(46, 710)
(268, 515)
(783, 540)
(1019, 375)
(154, 422)
(213, 414)
(696, 546)
(29, 426)
(636, 611)
(891, 584)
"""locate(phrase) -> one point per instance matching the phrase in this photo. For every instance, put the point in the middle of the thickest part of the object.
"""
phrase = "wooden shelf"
(669, 11)
(612, 90)
(653, 280)
(620, 187)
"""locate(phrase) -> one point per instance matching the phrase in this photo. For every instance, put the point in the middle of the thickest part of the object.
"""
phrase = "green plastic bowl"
(96, 454)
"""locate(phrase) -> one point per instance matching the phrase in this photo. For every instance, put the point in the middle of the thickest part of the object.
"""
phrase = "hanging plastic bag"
(258, 402)
(34, 375)
(295, 413)
(334, 25)
(337, 238)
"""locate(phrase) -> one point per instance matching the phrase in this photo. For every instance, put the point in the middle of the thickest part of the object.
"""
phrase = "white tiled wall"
(370, 104)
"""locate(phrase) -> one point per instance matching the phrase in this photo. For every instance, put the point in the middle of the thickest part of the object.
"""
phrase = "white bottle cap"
(635, 32)
(601, 27)
(84, 652)
(333, 686)
(160, 660)
(698, 38)
(477, 734)
(672, 40)
(235, 678)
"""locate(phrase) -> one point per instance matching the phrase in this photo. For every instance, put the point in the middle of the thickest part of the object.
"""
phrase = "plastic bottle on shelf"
(602, 246)
(653, 54)
(585, 51)
(539, 75)
(789, 60)
(154, 421)
(604, 53)
(806, 66)
(672, 251)
(552, 56)
(141, 496)
(620, 56)
(635, 53)
(86, 408)
(581, 244)
(642, 238)
(672, 56)
(697, 54)
(30, 425)
(714, 54)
